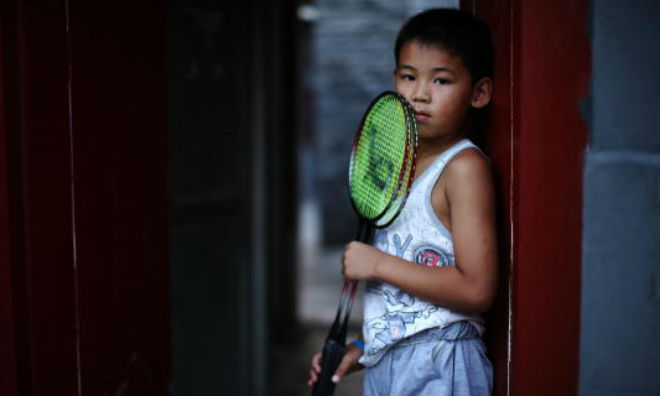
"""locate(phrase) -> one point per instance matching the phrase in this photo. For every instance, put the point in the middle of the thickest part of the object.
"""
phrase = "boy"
(434, 269)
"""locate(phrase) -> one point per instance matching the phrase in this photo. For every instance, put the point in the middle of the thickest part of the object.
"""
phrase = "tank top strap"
(443, 159)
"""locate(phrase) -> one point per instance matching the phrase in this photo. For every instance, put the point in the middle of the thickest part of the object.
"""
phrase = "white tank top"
(417, 236)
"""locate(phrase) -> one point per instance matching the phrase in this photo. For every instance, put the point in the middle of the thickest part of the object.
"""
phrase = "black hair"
(456, 32)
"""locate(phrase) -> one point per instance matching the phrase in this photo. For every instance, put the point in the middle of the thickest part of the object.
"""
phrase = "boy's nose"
(421, 94)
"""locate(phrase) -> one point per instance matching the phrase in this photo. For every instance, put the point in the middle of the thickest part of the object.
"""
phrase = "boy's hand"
(349, 363)
(360, 261)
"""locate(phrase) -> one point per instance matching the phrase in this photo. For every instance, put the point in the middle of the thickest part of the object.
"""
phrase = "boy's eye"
(441, 81)
(408, 77)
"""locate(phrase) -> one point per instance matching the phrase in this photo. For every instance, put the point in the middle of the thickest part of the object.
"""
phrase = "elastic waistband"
(462, 330)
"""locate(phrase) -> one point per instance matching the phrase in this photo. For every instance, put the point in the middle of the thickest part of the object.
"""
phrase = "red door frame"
(35, 131)
(8, 354)
(83, 198)
(537, 141)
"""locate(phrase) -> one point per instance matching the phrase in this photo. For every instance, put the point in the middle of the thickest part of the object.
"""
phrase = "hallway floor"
(291, 366)
(318, 296)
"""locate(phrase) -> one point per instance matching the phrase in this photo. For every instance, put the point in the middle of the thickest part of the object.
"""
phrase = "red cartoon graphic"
(431, 257)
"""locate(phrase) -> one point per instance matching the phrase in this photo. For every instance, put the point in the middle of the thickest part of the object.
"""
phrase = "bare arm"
(471, 284)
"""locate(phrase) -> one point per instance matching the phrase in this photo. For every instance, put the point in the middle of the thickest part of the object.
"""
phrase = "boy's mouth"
(421, 116)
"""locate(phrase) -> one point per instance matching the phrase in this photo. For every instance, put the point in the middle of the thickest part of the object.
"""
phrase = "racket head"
(382, 159)
(407, 176)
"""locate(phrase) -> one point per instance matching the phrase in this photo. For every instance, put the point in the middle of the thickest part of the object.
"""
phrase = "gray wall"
(352, 62)
(208, 231)
(232, 210)
(620, 334)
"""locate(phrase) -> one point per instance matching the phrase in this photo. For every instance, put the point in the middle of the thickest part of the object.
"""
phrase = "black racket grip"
(332, 354)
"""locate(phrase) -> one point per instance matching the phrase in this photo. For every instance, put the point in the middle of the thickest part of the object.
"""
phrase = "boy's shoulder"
(469, 166)
(465, 185)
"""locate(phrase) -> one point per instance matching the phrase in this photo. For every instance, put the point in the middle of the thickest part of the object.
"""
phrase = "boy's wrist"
(380, 267)
(374, 260)
(358, 343)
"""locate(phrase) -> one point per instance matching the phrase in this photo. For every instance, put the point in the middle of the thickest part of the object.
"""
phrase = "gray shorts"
(435, 362)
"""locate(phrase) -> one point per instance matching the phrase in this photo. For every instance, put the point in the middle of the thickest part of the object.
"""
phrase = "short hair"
(456, 32)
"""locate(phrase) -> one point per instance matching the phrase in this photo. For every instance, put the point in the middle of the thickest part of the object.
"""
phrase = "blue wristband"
(358, 343)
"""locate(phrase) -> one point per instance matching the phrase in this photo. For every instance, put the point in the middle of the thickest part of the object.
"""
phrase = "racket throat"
(339, 327)
(364, 231)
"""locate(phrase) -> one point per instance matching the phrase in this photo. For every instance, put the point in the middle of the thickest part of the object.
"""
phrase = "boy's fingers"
(316, 363)
(312, 378)
(343, 368)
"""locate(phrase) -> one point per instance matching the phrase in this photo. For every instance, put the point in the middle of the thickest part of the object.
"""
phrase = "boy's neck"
(436, 146)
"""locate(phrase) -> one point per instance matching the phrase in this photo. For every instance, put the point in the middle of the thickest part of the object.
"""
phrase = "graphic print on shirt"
(392, 315)
(400, 249)
(391, 327)
(381, 240)
(398, 297)
(431, 256)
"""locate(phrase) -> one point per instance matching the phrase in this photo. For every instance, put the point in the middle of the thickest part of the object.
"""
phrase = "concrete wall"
(620, 332)
(353, 61)
(231, 178)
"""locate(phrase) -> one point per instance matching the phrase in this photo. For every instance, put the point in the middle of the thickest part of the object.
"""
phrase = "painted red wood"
(36, 109)
(83, 198)
(8, 356)
(554, 76)
(120, 167)
(495, 138)
(537, 140)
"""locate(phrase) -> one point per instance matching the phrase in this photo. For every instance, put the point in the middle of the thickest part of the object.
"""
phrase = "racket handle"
(333, 352)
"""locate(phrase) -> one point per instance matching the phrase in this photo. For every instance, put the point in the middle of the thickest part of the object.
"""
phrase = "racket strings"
(407, 175)
(379, 157)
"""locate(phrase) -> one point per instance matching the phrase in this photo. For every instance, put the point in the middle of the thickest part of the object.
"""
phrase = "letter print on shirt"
(400, 249)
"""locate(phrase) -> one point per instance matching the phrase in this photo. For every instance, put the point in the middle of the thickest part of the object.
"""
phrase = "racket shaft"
(333, 352)
(334, 347)
(335, 328)
(347, 314)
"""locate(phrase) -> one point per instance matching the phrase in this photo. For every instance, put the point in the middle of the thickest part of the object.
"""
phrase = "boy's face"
(438, 86)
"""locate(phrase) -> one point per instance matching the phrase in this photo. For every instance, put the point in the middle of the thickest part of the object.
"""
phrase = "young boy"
(434, 270)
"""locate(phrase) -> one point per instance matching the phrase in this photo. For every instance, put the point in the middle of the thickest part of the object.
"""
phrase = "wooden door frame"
(78, 297)
(536, 137)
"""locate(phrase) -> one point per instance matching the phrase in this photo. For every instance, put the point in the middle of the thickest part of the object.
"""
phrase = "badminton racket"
(381, 170)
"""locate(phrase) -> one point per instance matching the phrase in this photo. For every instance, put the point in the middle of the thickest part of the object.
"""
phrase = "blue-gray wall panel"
(353, 61)
(620, 342)
(626, 77)
(620, 327)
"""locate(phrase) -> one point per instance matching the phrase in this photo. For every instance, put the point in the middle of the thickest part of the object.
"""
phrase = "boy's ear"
(482, 92)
